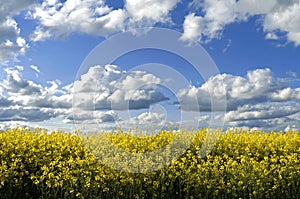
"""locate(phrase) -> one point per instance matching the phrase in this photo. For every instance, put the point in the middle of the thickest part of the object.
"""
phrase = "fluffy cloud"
(286, 18)
(277, 124)
(258, 86)
(104, 92)
(11, 44)
(146, 119)
(261, 112)
(16, 85)
(192, 27)
(59, 19)
(94, 117)
(101, 96)
(217, 15)
(109, 87)
(256, 100)
(32, 114)
(24, 100)
(286, 94)
(254, 7)
(149, 117)
(276, 16)
(13, 7)
(149, 12)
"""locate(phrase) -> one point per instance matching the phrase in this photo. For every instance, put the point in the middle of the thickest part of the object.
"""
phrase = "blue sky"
(254, 45)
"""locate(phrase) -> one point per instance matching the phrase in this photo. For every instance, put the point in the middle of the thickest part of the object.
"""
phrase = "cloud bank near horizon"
(256, 100)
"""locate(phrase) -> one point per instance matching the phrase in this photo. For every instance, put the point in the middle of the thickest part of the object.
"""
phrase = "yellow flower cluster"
(235, 164)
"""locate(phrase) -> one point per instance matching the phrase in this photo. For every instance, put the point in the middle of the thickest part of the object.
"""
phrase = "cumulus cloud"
(103, 92)
(192, 27)
(277, 124)
(109, 87)
(25, 100)
(107, 120)
(18, 113)
(257, 100)
(11, 43)
(254, 7)
(276, 16)
(94, 117)
(149, 12)
(146, 119)
(13, 7)
(59, 19)
(16, 85)
(149, 117)
(285, 18)
(101, 95)
(261, 112)
(217, 15)
(259, 85)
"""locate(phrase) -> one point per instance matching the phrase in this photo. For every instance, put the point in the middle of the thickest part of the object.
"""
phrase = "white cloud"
(275, 16)
(57, 19)
(285, 18)
(109, 87)
(13, 124)
(261, 112)
(277, 124)
(11, 44)
(271, 35)
(91, 17)
(102, 93)
(149, 12)
(94, 117)
(18, 113)
(146, 119)
(149, 118)
(256, 100)
(13, 7)
(8, 29)
(254, 7)
(15, 85)
(258, 86)
(217, 15)
(25, 100)
(35, 68)
(192, 27)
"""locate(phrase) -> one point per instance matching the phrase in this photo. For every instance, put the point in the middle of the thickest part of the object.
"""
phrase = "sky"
(197, 63)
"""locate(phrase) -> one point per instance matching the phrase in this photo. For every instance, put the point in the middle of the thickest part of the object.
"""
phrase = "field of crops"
(241, 164)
